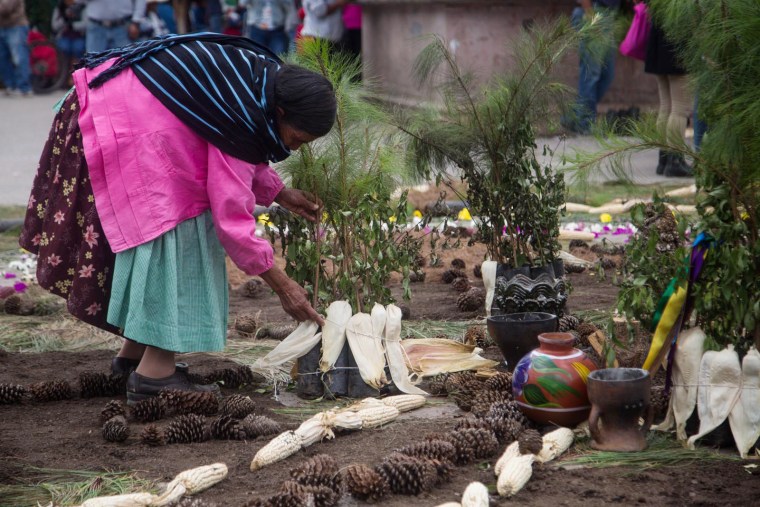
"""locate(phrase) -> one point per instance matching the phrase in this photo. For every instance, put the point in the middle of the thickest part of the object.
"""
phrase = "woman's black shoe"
(677, 167)
(662, 161)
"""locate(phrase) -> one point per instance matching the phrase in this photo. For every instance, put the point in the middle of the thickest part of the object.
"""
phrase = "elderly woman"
(151, 172)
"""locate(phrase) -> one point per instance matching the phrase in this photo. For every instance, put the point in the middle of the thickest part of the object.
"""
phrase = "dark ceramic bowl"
(516, 334)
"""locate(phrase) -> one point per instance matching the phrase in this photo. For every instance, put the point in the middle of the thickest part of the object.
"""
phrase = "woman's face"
(294, 138)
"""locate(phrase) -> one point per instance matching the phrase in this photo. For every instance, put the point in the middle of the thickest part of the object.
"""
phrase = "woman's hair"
(307, 99)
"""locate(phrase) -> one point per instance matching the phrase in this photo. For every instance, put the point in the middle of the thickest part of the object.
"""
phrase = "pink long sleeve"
(233, 187)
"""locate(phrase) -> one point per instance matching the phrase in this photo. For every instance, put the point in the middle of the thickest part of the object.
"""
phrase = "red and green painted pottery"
(549, 383)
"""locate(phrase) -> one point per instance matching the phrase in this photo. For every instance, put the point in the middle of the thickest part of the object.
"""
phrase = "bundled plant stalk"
(354, 170)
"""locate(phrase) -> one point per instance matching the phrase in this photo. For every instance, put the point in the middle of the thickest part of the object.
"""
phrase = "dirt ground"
(67, 435)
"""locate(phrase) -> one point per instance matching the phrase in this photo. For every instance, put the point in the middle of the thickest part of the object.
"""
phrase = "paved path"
(25, 122)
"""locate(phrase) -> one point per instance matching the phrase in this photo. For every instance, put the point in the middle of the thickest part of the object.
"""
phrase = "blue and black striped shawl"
(221, 86)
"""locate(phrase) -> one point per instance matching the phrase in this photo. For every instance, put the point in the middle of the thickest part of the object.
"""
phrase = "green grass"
(41, 486)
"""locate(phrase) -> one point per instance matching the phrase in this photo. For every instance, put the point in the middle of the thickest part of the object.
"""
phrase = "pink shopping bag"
(635, 42)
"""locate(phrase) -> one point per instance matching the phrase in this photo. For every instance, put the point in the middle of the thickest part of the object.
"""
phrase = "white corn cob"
(475, 495)
(197, 479)
(365, 403)
(404, 402)
(512, 451)
(555, 443)
(346, 420)
(279, 448)
(315, 429)
(515, 475)
(128, 500)
(377, 416)
(334, 333)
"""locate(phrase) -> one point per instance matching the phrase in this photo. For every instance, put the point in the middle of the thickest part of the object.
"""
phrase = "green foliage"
(717, 41)
(488, 133)
(354, 170)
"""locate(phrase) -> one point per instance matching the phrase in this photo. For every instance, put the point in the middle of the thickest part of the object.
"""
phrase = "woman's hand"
(302, 203)
(293, 297)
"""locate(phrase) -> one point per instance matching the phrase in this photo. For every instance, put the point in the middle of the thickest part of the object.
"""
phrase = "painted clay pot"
(516, 334)
(549, 383)
(619, 398)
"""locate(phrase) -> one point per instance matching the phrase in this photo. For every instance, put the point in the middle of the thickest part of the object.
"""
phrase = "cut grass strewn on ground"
(599, 194)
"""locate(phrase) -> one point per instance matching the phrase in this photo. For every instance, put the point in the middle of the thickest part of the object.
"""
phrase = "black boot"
(662, 161)
(677, 167)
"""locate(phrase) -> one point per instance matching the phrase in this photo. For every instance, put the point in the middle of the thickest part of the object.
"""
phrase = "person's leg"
(607, 75)
(700, 126)
(19, 50)
(131, 350)
(6, 66)
(278, 41)
(165, 11)
(156, 363)
(96, 38)
(258, 35)
(118, 36)
(663, 91)
(589, 73)
(680, 105)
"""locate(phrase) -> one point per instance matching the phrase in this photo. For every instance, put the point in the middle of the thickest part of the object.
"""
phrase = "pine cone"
(584, 329)
(461, 380)
(578, 243)
(148, 410)
(608, 263)
(439, 450)
(568, 323)
(112, 409)
(406, 475)
(260, 426)
(420, 261)
(659, 401)
(507, 421)
(53, 390)
(186, 429)
(276, 332)
(477, 271)
(501, 382)
(406, 311)
(11, 394)
(473, 423)
(574, 268)
(482, 442)
(234, 378)
(463, 453)
(530, 442)
(460, 284)
(94, 385)
(115, 429)
(152, 436)
(322, 495)
(417, 276)
(19, 305)
(472, 300)
(363, 483)
(476, 335)
(458, 264)
(237, 406)
(437, 385)
(246, 324)
(319, 470)
(189, 402)
(450, 275)
(226, 427)
(484, 398)
(252, 288)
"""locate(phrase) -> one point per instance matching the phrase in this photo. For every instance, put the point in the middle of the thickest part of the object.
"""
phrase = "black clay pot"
(516, 334)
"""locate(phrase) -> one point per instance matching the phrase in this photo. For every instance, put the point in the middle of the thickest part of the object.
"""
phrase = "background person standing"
(112, 23)
(323, 20)
(14, 51)
(266, 22)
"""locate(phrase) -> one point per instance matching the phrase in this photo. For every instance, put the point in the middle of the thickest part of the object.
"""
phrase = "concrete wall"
(479, 32)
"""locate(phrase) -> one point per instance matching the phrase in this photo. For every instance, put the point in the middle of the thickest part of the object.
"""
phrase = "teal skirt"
(171, 292)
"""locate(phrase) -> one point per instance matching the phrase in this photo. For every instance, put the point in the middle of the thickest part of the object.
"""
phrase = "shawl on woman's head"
(221, 86)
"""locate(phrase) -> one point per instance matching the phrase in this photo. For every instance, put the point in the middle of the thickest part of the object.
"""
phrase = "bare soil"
(67, 435)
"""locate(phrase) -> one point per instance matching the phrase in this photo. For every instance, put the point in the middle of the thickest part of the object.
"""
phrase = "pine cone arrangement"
(18, 305)
(472, 300)
(484, 398)
(406, 475)
(574, 268)
(476, 335)
(477, 271)
(252, 288)
(260, 426)
(322, 495)
(659, 401)
(450, 275)
(234, 378)
(578, 243)
(417, 276)
(152, 436)
(458, 264)
(406, 311)
(568, 323)
(501, 382)
(507, 421)
(112, 409)
(584, 329)
(246, 324)
(439, 450)
(420, 261)
(363, 483)
(608, 263)
(94, 385)
(319, 470)
(473, 423)
(437, 385)
(463, 453)
(530, 442)
(115, 429)
(148, 410)
(53, 390)
(461, 284)
(482, 442)
(276, 332)
(237, 406)
(11, 394)
(225, 427)
(186, 429)
(189, 402)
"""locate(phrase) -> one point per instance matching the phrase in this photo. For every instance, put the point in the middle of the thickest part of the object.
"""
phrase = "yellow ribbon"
(669, 318)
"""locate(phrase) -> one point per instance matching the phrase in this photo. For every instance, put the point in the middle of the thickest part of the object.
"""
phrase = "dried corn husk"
(488, 268)
(432, 356)
(555, 443)
(475, 495)
(719, 391)
(515, 474)
(191, 482)
(745, 416)
(346, 420)
(334, 333)
(395, 353)
(377, 416)
(367, 348)
(298, 343)
(128, 500)
(279, 448)
(512, 451)
(316, 429)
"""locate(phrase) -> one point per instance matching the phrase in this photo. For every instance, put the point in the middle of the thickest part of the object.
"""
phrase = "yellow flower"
(325, 216)
(605, 218)
(464, 214)
(264, 219)
(392, 219)
(744, 215)
(417, 214)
